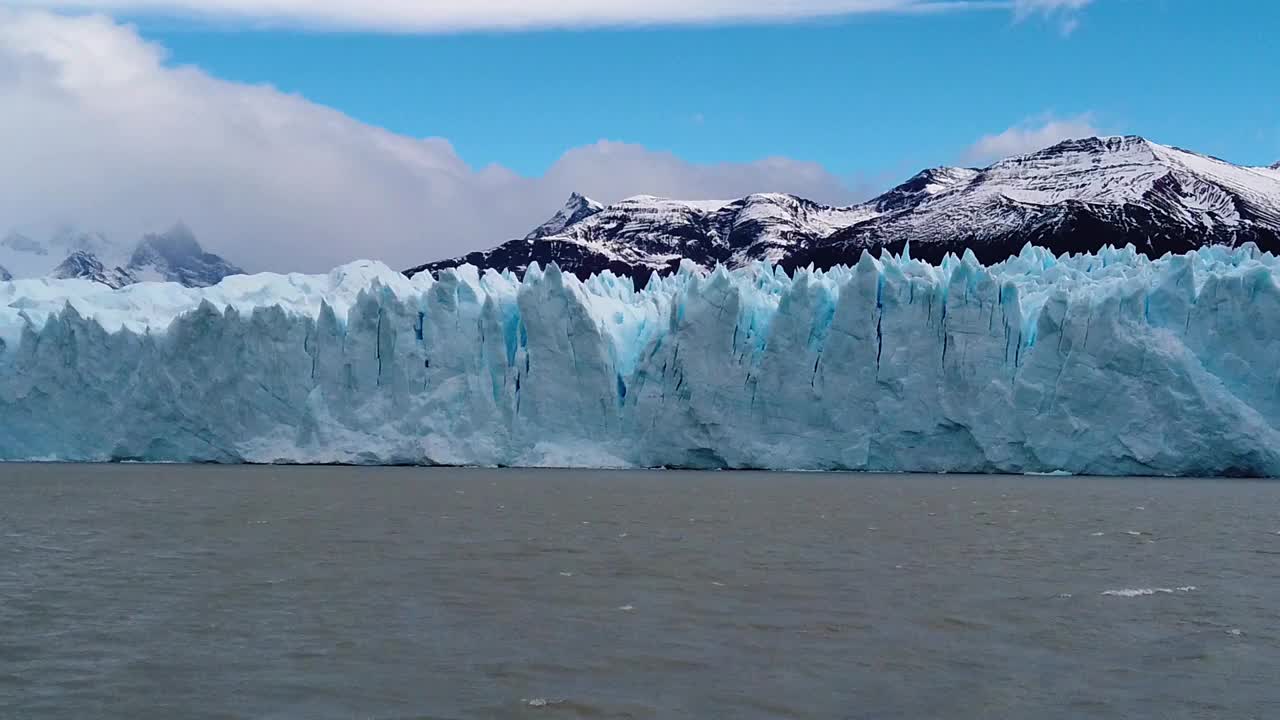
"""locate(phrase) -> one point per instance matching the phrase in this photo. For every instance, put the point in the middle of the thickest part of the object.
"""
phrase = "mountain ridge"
(1077, 195)
(577, 207)
(170, 256)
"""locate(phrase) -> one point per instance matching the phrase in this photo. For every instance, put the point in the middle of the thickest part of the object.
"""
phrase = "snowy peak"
(68, 253)
(1114, 148)
(644, 234)
(576, 208)
(5, 274)
(1076, 196)
(1086, 170)
(1082, 154)
(923, 186)
(25, 256)
(176, 256)
(86, 265)
(175, 246)
(79, 264)
(771, 226)
(1118, 170)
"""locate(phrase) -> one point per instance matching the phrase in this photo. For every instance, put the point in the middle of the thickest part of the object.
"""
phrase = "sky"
(300, 134)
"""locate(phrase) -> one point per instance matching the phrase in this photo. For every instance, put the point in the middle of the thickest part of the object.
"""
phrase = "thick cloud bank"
(100, 133)
(1106, 363)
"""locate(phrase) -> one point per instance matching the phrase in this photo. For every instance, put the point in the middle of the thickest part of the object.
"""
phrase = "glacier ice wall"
(1108, 363)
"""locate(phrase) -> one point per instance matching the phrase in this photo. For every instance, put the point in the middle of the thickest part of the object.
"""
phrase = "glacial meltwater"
(130, 591)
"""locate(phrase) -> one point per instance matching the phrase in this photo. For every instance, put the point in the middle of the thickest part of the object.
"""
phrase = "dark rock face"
(175, 256)
(85, 265)
(576, 209)
(643, 235)
(518, 255)
(1077, 196)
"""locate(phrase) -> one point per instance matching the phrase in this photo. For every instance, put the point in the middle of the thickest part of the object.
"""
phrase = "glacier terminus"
(1096, 363)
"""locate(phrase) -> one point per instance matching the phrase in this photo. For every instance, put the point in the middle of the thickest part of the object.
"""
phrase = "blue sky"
(299, 134)
(867, 95)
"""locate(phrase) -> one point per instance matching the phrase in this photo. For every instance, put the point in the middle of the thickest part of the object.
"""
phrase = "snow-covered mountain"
(1078, 195)
(645, 234)
(174, 256)
(86, 265)
(25, 256)
(576, 208)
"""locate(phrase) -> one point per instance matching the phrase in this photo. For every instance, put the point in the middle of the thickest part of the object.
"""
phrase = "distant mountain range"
(1078, 195)
(173, 256)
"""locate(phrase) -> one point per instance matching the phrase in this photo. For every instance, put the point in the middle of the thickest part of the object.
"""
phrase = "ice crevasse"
(1108, 363)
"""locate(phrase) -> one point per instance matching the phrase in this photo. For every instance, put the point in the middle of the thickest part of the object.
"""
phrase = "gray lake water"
(266, 592)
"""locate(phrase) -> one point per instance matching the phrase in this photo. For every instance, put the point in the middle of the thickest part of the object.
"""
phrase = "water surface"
(267, 592)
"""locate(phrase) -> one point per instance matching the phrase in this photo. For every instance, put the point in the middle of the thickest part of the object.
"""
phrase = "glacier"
(1106, 363)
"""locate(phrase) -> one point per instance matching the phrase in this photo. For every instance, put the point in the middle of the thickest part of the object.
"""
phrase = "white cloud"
(462, 15)
(1023, 8)
(1064, 12)
(1030, 136)
(98, 132)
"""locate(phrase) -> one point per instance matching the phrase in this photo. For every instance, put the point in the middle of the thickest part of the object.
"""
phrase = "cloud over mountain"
(1030, 136)
(103, 134)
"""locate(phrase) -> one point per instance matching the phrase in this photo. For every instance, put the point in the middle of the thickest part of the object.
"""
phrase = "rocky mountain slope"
(644, 234)
(175, 256)
(1078, 195)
